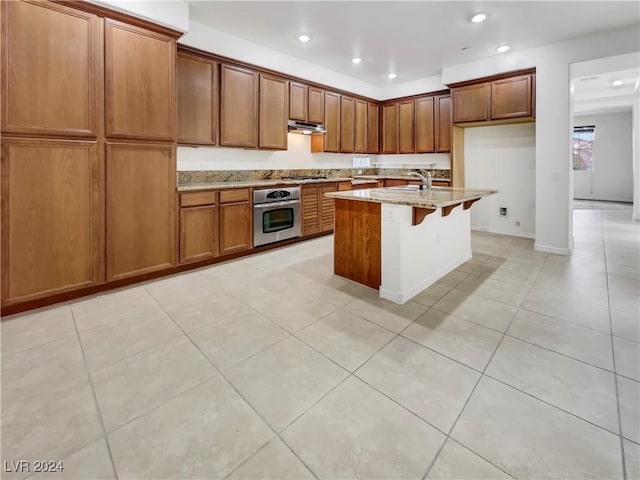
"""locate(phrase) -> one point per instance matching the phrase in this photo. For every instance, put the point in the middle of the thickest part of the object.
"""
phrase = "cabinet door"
(52, 70)
(298, 105)
(235, 227)
(361, 127)
(238, 107)
(425, 142)
(197, 100)
(274, 105)
(140, 90)
(141, 190)
(373, 128)
(332, 122)
(390, 128)
(52, 217)
(406, 126)
(443, 123)
(310, 211)
(347, 125)
(198, 233)
(315, 112)
(511, 97)
(327, 207)
(471, 103)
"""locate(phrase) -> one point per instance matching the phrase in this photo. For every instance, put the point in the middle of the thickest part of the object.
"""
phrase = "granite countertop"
(399, 177)
(436, 197)
(255, 183)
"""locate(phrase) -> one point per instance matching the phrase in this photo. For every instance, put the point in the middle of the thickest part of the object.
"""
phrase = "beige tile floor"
(518, 364)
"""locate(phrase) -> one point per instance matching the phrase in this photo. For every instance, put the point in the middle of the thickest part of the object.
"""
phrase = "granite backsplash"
(188, 177)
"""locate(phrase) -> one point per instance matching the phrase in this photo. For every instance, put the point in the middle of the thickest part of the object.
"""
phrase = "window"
(583, 148)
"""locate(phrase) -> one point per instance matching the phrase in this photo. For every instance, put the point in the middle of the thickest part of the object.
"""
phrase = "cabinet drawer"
(197, 198)
(235, 195)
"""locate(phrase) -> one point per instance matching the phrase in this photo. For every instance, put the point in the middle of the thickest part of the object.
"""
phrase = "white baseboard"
(554, 250)
(403, 297)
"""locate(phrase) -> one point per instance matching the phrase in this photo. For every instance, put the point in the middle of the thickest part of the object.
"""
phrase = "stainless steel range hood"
(305, 128)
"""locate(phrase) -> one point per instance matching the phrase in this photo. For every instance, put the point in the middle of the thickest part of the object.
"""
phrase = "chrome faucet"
(426, 181)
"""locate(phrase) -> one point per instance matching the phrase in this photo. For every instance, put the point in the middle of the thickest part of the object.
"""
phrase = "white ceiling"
(413, 39)
(596, 93)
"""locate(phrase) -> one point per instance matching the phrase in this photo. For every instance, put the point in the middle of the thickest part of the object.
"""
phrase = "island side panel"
(356, 240)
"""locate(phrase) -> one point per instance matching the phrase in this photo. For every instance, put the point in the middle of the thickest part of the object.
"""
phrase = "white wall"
(502, 158)
(612, 176)
(553, 225)
(173, 14)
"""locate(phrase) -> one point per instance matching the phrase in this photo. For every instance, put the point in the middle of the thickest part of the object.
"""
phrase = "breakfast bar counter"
(400, 240)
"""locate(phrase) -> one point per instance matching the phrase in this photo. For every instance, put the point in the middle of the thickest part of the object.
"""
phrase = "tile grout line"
(95, 398)
(613, 353)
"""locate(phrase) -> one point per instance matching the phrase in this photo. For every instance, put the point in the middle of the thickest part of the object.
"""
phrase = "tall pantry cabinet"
(88, 148)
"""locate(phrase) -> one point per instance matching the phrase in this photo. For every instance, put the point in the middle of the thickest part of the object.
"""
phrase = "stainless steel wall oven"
(276, 215)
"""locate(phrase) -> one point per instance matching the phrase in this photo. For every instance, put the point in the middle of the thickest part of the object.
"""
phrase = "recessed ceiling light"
(304, 38)
(356, 60)
(479, 17)
(617, 83)
(503, 48)
(391, 75)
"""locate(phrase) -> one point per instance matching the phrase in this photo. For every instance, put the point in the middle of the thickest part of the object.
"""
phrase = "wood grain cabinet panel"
(406, 127)
(197, 100)
(52, 218)
(332, 122)
(235, 227)
(198, 233)
(471, 103)
(511, 97)
(274, 108)
(298, 101)
(361, 122)
(443, 123)
(425, 125)
(390, 128)
(315, 111)
(238, 106)
(373, 128)
(347, 124)
(140, 91)
(310, 210)
(327, 210)
(52, 70)
(140, 195)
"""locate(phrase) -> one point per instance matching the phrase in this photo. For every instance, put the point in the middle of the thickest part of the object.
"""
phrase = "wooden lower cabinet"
(198, 233)
(235, 227)
(140, 196)
(52, 217)
(317, 210)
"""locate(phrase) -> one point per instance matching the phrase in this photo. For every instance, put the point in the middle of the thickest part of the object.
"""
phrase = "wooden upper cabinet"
(361, 127)
(373, 128)
(274, 108)
(511, 97)
(140, 195)
(425, 125)
(406, 121)
(315, 111)
(140, 92)
(443, 123)
(52, 217)
(332, 122)
(238, 106)
(52, 70)
(390, 128)
(471, 103)
(298, 101)
(347, 124)
(197, 100)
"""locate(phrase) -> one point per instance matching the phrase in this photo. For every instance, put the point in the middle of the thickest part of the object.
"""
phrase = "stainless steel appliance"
(276, 215)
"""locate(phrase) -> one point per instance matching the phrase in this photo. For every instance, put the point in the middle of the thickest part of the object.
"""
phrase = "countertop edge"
(347, 195)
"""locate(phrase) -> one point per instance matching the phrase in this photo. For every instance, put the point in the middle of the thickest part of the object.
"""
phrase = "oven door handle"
(276, 204)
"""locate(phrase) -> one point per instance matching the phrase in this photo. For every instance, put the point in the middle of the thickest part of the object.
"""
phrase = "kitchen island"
(400, 240)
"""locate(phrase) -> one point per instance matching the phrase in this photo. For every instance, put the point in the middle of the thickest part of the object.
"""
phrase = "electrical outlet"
(503, 212)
